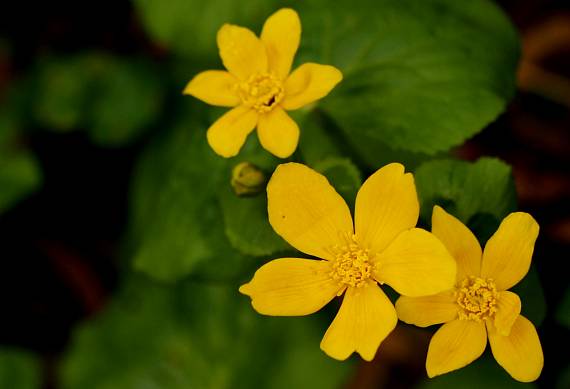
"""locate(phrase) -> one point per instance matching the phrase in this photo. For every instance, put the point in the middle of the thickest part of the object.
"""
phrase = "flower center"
(261, 91)
(351, 265)
(478, 298)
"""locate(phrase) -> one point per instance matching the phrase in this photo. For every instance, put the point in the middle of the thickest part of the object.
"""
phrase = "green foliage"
(176, 223)
(196, 336)
(467, 189)
(343, 176)
(113, 99)
(189, 27)
(482, 373)
(247, 225)
(420, 76)
(20, 173)
(19, 369)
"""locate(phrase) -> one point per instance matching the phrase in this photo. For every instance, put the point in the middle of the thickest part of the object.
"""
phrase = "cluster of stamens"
(351, 266)
(261, 91)
(477, 298)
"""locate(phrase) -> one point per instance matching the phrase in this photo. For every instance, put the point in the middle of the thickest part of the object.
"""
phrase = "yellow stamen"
(351, 266)
(478, 298)
(261, 91)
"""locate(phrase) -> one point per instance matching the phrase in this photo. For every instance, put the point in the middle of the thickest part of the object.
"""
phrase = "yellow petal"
(386, 205)
(306, 211)
(508, 309)
(309, 82)
(427, 310)
(459, 241)
(227, 135)
(278, 133)
(365, 318)
(520, 353)
(281, 34)
(415, 264)
(507, 254)
(455, 345)
(215, 87)
(291, 287)
(242, 53)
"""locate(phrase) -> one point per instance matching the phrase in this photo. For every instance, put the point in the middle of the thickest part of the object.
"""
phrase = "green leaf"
(20, 176)
(247, 224)
(482, 373)
(466, 189)
(176, 222)
(114, 99)
(19, 369)
(127, 100)
(343, 175)
(421, 76)
(189, 27)
(62, 93)
(199, 336)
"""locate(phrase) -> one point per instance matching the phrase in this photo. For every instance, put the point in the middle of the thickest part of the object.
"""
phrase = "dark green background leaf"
(197, 336)
(19, 369)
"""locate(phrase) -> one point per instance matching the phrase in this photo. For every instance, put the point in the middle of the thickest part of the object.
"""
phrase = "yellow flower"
(382, 246)
(480, 306)
(259, 86)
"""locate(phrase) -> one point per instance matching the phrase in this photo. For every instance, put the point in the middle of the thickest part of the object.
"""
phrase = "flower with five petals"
(382, 246)
(480, 307)
(259, 87)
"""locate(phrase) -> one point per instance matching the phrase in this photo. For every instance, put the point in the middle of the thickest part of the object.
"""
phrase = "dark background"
(61, 243)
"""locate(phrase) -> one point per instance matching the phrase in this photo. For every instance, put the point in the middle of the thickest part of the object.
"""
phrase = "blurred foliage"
(20, 173)
(194, 335)
(113, 99)
(19, 369)
(563, 313)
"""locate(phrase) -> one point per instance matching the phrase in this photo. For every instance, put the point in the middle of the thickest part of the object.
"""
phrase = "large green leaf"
(176, 223)
(196, 336)
(421, 76)
(563, 310)
(189, 27)
(466, 189)
(19, 369)
(114, 99)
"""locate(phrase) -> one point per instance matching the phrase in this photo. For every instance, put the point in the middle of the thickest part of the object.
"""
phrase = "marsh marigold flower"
(259, 87)
(480, 306)
(382, 246)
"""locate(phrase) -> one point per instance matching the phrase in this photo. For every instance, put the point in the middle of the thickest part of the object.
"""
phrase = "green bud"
(248, 179)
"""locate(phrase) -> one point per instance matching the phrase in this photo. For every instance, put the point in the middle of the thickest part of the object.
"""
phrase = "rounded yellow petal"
(281, 35)
(364, 320)
(242, 53)
(308, 83)
(306, 211)
(215, 87)
(455, 345)
(291, 287)
(459, 241)
(386, 205)
(520, 353)
(507, 254)
(278, 133)
(427, 310)
(415, 264)
(227, 135)
(508, 309)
